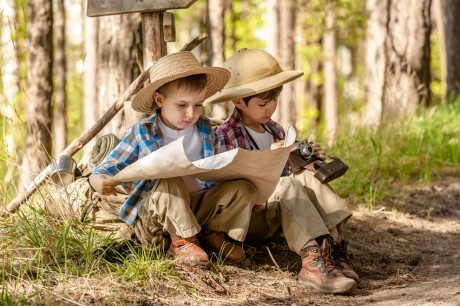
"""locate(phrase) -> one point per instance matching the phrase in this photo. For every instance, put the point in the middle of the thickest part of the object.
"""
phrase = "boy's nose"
(189, 112)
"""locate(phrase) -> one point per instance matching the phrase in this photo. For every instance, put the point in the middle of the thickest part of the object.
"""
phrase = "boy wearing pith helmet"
(183, 206)
(306, 211)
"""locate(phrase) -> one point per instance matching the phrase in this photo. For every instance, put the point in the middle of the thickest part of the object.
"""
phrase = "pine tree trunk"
(39, 88)
(287, 103)
(407, 50)
(452, 28)
(330, 107)
(9, 70)
(273, 24)
(215, 46)
(118, 37)
(437, 10)
(90, 77)
(60, 113)
(376, 31)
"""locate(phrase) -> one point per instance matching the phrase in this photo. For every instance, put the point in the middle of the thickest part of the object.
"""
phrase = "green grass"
(414, 149)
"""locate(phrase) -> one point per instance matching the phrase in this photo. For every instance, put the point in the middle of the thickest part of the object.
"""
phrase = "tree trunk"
(9, 70)
(273, 24)
(407, 51)
(330, 74)
(215, 46)
(437, 11)
(287, 103)
(376, 31)
(452, 32)
(39, 88)
(90, 77)
(60, 113)
(118, 37)
(313, 92)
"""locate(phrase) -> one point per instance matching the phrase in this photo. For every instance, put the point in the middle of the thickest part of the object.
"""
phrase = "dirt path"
(404, 256)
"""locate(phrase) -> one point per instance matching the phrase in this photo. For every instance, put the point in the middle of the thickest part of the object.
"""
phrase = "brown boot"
(343, 262)
(322, 277)
(228, 250)
(187, 251)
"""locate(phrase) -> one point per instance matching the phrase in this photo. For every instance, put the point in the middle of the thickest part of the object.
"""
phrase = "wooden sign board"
(113, 7)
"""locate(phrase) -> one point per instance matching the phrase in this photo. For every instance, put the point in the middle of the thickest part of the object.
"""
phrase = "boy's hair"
(266, 95)
(195, 82)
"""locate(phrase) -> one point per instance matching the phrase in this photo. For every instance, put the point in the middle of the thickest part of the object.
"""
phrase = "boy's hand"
(276, 145)
(103, 183)
(319, 152)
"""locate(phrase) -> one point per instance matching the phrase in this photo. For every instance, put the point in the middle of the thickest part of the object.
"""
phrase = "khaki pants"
(302, 208)
(224, 207)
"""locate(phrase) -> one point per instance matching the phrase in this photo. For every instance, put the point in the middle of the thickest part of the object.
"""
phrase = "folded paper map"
(262, 167)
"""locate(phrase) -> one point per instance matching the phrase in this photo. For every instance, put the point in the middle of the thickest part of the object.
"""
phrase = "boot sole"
(179, 260)
(347, 288)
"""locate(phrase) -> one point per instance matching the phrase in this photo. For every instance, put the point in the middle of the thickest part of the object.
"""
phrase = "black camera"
(325, 172)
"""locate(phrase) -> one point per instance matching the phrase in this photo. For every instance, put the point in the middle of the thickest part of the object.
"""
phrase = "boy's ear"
(158, 99)
(239, 103)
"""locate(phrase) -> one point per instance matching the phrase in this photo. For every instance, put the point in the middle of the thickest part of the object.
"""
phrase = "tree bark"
(60, 112)
(437, 11)
(287, 103)
(118, 37)
(90, 77)
(452, 33)
(215, 46)
(407, 50)
(10, 80)
(39, 88)
(376, 31)
(330, 74)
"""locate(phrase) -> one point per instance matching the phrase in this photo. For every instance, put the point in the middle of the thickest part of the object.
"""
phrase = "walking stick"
(78, 143)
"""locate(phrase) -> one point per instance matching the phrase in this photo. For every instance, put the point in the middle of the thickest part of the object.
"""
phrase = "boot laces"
(340, 254)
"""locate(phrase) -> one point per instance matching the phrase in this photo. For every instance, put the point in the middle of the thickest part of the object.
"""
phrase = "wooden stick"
(81, 141)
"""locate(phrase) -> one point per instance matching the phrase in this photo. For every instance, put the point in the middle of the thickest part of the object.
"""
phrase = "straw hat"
(253, 71)
(175, 66)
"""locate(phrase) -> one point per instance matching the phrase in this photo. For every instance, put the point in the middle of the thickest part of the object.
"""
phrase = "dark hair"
(266, 95)
(195, 82)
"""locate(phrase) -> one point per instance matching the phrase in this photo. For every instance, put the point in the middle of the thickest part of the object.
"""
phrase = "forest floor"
(406, 251)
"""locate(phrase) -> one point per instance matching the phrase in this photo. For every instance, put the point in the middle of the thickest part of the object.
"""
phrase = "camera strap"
(254, 143)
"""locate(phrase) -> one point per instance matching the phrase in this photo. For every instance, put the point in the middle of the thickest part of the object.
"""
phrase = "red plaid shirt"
(232, 134)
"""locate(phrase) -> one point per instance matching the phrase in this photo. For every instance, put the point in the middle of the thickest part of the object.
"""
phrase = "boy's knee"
(287, 182)
(245, 187)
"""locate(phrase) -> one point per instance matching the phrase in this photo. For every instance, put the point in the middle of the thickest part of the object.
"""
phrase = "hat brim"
(253, 88)
(216, 79)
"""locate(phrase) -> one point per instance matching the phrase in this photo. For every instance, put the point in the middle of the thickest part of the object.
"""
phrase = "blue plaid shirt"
(140, 140)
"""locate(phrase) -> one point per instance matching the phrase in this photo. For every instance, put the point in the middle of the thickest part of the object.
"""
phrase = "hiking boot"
(188, 251)
(320, 275)
(228, 250)
(343, 262)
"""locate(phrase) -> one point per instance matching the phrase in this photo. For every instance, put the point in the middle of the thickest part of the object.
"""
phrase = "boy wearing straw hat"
(306, 211)
(183, 206)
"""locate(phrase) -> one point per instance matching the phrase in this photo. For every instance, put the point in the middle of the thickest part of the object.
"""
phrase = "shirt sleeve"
(225, 140)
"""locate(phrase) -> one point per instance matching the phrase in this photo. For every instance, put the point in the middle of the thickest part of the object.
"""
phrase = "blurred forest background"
(373, 69)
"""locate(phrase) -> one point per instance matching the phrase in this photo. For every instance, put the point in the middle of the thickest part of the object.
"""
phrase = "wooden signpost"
(114, 7)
